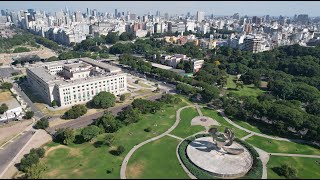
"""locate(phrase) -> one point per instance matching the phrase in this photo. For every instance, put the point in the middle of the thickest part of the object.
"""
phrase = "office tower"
(236, 16)
(94, 12)
(200, 16)
(116, 12)
(254, 19)
(26, 21)
(88, 12)
(166, 16)
(144, 18)
(14, 18)
(3, 13)
(78, 16)
(188, 14)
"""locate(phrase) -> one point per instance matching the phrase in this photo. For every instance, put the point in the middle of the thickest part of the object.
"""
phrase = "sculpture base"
(206, 155)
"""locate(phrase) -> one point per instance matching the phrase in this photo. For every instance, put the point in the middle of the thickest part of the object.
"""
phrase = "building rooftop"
(50, 79)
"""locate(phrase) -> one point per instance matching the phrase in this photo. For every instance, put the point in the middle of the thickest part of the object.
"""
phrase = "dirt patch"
(72, 152)
(5, 96)
(135, 170)
(171, 117)
(53, 173)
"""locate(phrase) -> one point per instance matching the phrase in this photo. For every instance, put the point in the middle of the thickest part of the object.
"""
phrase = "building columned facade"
(75, 81)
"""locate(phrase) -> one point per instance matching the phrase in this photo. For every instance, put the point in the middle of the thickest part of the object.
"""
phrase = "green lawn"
(308, 168)
(246, 125)
(87, 161)
(156, 160)
(215, 115)
(184, 128)
(247, 90)
(274, 146)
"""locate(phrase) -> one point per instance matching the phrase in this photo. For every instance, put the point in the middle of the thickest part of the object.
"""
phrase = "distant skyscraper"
(116, 12)
(166, 16)
(88, 12)
(200, 16)
(78, 16)
(236, 16)
(188, 14)
(26, 19)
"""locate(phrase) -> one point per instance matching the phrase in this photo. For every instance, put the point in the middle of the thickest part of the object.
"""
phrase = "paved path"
(247, 136)
(126, 159)
(171, 135)
(198, 109)
(259, 134)
(9, 154)
(264, 157)
(295, 155)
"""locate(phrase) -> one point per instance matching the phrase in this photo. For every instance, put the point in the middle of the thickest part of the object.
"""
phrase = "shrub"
(148, 129)
(286, 170)
(43, 123)
(120, 150)
(75, 112)
(29, 115)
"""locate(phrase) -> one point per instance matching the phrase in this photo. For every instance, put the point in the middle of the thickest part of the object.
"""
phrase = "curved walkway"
(258, 134)
(126, 159)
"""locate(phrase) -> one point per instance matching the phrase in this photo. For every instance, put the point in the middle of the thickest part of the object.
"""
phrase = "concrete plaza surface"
(203, 153)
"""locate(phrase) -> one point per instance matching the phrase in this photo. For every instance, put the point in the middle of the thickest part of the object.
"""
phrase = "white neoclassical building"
(75, 81)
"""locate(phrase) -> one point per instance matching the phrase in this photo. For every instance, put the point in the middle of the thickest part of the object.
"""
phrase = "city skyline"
(249, 8)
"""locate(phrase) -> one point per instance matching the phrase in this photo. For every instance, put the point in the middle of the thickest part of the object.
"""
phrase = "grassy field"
(223, 123)
(156, 160)
(184, 128)
(87, 161)
(274, 146)
(247, 90)
(308, 168)
(246, 125)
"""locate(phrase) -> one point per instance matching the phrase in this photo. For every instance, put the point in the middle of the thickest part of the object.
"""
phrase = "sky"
(250, 8)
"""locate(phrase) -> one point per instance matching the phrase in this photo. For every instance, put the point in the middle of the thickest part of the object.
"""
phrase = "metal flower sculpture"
(225, 139)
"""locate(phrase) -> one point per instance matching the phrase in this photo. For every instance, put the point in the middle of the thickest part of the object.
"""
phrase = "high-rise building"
(236, 16)
(116, 12)
(166, 16)
(78, 16)
(26, 21)
(252, 44)
(200, 16)
(254, 19)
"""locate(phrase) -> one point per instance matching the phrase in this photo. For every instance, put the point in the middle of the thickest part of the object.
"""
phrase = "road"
(126, 159)
(37, 113)
(86, 120)
(12, 149)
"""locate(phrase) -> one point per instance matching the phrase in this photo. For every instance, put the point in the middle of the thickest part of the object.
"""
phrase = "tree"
(35, 171)
(68, 136)
(6, 85)
(43, 123)
(29, 115)
(104, 100)
(120, 150)
(54, 103)
(108, 123)
(112, 37)
(129, 115)
(89, 132)
(3, 108)
(108, 139)
(313, 108)
(287, 171)
(53, 58)
(75, 112)
(122, 97)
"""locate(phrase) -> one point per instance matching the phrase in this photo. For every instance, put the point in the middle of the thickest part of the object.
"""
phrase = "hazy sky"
(276, 8)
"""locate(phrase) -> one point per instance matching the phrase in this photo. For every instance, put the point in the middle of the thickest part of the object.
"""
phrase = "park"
(154, 153)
